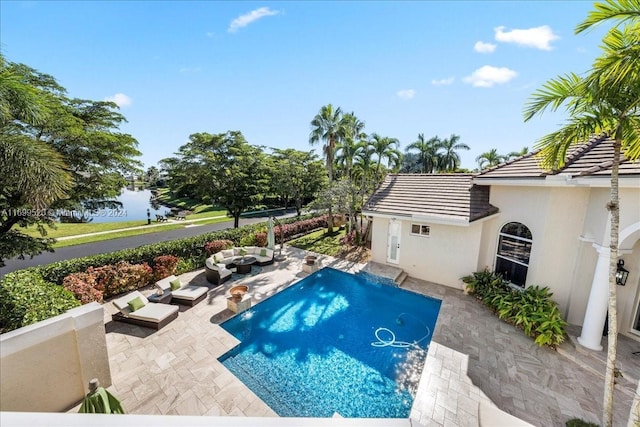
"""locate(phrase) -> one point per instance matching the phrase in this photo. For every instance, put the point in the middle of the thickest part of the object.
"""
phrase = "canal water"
(134, 207)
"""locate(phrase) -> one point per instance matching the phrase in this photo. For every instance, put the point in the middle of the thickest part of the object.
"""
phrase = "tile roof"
(448, 196)
(592, 158)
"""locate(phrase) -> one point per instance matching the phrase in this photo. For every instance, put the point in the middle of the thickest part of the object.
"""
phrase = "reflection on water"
(134, 207)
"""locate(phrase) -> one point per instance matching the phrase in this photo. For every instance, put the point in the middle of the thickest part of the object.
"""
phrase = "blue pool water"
(334, 342)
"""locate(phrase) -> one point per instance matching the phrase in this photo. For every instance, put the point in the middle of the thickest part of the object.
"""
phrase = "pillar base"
(583, 342)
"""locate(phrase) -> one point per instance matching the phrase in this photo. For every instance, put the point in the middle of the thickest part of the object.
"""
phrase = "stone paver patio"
(474, 357)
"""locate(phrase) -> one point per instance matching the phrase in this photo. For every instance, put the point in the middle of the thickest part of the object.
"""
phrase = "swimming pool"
(334, 342)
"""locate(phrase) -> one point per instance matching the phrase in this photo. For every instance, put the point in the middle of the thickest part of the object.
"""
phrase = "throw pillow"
(215, 259)
(135, 304)
(263, 252)
(175, 284)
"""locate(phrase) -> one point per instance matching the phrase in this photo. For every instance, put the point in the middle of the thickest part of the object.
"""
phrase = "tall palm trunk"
(612, 337)
(331, 149)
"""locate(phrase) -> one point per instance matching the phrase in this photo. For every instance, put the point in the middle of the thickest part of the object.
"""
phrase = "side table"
(165, 298)
(239, 306)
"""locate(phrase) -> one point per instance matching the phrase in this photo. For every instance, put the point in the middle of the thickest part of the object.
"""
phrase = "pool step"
(401, 278)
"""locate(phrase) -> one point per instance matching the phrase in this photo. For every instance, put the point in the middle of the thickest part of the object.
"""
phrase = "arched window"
(514, 248)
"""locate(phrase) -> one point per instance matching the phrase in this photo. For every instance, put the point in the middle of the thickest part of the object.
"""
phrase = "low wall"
(46, 367)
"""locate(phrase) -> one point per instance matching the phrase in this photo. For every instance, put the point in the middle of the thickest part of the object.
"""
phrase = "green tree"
(427, 152)
(515, 154)
(297, 175)
(606, 102)
(384, 148)
(328, 126)
(152, 175)
(19, 100)
(489, 159)
(450, 159)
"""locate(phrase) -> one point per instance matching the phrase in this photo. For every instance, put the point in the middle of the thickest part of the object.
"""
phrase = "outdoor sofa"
(136, 309)
(216, 273)
(182, 293)
(263, 256)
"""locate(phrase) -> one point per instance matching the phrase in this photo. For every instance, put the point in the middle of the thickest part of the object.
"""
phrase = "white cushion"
(165, 284)
(210, 263)
(121, 303)
(190, 292)
(154, 312)
(228, 253)
(236, 251)
(251, 250)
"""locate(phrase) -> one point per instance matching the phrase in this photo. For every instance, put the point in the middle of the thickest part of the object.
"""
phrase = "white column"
(598, 304)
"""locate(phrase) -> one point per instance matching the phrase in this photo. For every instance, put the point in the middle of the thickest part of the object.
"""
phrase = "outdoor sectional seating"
(186, 294)
(216, 273)
(263, 256)
(150, 315)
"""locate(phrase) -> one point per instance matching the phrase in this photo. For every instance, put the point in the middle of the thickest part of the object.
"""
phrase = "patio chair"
(182, 293)
(216, 273)
(136, 309)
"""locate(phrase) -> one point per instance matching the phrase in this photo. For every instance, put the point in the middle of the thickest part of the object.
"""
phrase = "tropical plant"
(427, 152)
(449, 160)
(515, 154)
(384, 148)
(606, 102)
(489, 159)
(328, 126)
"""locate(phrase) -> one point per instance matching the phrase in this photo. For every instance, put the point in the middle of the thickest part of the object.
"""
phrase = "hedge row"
(28, 296)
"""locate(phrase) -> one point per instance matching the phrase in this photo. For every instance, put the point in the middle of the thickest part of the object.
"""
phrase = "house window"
(420, 230)
(514, 249)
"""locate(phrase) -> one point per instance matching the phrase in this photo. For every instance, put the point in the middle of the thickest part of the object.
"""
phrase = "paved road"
(86, 249)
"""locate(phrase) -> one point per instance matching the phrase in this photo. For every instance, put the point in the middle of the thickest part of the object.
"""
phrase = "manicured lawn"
(189, 204)
(109, 236)
(68, 229)
(320, 242)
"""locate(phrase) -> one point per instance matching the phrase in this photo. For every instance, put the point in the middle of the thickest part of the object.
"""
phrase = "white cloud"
(487, 76)
(406, 93)
(537, 37)
(483, 47)
(120, 99)
(246, 19)
(190, 69)
(443, 82)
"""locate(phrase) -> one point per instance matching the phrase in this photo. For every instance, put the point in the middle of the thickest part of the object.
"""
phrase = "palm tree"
(384, 147)
(328, 126)
(605, 102)
(19, 100)
(489, 159)
(427, 151)
(516, 154)
(450, 159)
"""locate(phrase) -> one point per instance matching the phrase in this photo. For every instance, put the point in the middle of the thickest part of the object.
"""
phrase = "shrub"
(121, 277)
(577, 422)
(217, 245)
(532, 310)
(261, 239)
(353, 238)
(25, 298)
(248, 240)
(164, 266)
(84, 287)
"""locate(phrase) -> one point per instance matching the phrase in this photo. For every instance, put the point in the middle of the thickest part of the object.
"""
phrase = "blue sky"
(266, 68)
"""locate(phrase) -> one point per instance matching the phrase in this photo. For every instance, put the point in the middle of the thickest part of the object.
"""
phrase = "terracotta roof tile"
(450, 196)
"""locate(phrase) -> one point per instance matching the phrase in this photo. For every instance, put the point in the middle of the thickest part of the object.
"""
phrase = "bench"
(161, 218)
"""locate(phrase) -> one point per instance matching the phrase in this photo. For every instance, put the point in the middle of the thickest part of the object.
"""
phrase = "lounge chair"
(150, 315)
(216, 273)
(184, 294)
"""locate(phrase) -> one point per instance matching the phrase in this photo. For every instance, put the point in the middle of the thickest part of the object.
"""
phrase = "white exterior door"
(393, 242)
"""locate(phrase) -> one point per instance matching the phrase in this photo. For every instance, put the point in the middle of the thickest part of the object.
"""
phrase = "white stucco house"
(536, 227)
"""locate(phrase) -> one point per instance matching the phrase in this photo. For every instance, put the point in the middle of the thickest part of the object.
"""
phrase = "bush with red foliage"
(261, 239)
(288, 231)
(164, 266)
(121, 277)
(83, 287)
(216, 246)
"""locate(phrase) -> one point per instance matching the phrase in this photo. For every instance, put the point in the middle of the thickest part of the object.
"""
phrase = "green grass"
(109, 236)
(320, 242)
(72, 229)
(185, 203)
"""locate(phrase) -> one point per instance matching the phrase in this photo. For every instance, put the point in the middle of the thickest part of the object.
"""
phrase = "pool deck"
(474, 358)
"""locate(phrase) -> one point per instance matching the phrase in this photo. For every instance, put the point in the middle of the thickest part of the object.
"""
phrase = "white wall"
(449, 253)
(46, 367)
(555, 216)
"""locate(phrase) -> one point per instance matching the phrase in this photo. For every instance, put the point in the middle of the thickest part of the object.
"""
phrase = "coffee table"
(243, 264)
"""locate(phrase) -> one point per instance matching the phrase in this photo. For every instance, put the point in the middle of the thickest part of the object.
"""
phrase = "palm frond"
(553, 95)
(619, 10)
